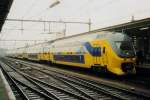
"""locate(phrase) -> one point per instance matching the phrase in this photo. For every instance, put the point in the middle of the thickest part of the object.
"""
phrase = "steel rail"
(35, 90)
(54, 87)
(22, 94)
(92, 83)
(81, 91)
(92, 89)
(95, 85)
(89, 86)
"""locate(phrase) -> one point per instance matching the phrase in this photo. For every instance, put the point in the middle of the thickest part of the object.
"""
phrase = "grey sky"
(101, 12)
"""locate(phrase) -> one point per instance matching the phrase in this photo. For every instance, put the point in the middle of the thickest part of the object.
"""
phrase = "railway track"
(64, 87)
(32, 88)
(22, 88)
(141, 79)
(81, 88)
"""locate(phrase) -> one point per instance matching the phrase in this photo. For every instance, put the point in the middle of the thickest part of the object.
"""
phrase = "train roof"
(63, 38)
(76, 35)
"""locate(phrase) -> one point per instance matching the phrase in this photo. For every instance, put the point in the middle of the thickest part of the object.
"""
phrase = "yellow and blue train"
(107, 51)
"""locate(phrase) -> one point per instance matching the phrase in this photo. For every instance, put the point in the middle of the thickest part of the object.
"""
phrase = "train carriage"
(107, 51)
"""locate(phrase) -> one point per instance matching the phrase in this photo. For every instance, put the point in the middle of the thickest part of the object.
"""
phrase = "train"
(100, 51)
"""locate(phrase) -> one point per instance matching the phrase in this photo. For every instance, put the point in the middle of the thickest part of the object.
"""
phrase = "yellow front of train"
(121, 55)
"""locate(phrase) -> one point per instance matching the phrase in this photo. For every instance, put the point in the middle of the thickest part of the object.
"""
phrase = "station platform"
(146, 66)
(5, 90)
(143, 69)
(3, 93)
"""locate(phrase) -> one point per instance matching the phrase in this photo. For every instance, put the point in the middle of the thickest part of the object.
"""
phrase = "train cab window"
(125, 48)
(124, 45)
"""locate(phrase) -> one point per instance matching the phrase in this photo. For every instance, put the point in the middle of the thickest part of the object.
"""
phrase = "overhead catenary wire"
(27, 12)
(10, 40)
(101, 7)
(43, 11)
(40, 21)
(33, 4)
(49, 21)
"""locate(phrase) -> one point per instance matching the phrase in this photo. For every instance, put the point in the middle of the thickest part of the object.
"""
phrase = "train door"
(96, 55)
(104, 56)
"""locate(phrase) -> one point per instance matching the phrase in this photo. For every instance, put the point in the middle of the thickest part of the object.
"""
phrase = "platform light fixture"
(54, 4)
(144, 28)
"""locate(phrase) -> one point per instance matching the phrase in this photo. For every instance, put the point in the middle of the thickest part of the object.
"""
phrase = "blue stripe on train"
(94, 51)
(70, 58)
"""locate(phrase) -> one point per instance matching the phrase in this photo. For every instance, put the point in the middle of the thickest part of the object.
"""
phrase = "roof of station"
(136, 24)
(126, 26)
(4, 10)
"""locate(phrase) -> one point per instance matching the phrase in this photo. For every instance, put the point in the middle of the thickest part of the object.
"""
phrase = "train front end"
(123, 57)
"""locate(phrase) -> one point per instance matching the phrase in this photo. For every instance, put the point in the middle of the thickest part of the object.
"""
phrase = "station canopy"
(135, 27)
(4, 10)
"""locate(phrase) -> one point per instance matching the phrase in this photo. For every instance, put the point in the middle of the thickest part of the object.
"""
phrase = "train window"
(124, 45)
(125, 48)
